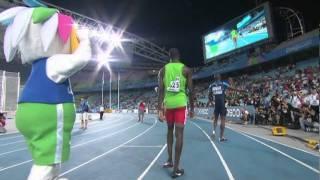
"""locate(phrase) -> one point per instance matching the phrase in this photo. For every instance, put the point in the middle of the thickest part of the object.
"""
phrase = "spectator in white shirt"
(101, 112)
(313, 98)
(313, 101)
(296, 100)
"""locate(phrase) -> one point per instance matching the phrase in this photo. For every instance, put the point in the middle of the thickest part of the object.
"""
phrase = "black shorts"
(220, 110)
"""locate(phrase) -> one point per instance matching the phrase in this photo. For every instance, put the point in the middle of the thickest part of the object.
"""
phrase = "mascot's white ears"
(19, 18)
(52, 22)
(15, 33)
(8, 18)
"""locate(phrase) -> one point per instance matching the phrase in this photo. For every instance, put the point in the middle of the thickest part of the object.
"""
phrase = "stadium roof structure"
(140, 54)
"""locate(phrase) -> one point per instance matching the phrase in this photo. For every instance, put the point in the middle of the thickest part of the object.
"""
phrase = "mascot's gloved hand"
(61, 66)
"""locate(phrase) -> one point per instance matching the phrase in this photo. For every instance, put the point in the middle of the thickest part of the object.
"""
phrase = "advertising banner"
(234, 113)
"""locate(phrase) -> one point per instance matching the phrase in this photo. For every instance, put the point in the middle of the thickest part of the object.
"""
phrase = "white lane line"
(103, 137)
(17, 132)
(137, 146)
(284, 154)
(15, 165)
(274, 142)
(78, 145)
(77, 125)
(152, 163)
(11, 137)
(9, 152)
(21, 141)
(99, 130)
(109, 151)
(206, 120)
(230, 176)
(8, 133)
(92, 132)
(15, 142)
(96, 122)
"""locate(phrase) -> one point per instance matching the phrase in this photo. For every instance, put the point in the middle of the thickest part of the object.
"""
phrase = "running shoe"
(177, 173)
(213, 134)
(223, 139)
(167, 165)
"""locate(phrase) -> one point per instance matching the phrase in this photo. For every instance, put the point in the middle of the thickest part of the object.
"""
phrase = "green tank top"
(175, 86)
(234, 33)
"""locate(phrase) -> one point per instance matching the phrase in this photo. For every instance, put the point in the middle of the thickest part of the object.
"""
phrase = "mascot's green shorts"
(47, 130)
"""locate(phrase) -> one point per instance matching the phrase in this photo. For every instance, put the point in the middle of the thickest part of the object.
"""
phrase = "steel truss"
(138, 45)
(294, 22)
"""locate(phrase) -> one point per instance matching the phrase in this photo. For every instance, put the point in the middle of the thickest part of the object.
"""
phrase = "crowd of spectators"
(287, 96)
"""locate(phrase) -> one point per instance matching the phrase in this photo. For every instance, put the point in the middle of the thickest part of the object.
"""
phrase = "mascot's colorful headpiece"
(17, 20)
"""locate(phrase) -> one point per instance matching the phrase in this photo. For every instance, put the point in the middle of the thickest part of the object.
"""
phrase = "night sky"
(178, 23)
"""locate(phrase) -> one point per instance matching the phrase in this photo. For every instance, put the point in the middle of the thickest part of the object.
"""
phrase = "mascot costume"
(56, 49)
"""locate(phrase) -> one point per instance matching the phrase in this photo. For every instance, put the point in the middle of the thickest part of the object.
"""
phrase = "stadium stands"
(280, 95)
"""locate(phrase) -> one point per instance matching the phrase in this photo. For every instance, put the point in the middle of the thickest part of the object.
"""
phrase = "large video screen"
(250, 28)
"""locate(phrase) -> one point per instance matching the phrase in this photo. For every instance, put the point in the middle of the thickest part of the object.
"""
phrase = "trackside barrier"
(234, 113)
(148, 111)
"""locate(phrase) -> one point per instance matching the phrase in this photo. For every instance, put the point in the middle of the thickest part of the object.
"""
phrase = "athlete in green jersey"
(234, 37)
(174, 81)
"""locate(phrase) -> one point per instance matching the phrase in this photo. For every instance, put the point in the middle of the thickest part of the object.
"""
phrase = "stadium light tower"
(102, 89)
(118, 92)
(110, 82)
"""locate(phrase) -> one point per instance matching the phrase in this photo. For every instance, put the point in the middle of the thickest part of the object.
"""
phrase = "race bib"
(217, 90)
(174, 85)
(314, 103)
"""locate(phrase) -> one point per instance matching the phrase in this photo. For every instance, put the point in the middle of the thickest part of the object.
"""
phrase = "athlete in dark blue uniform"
(217, 93)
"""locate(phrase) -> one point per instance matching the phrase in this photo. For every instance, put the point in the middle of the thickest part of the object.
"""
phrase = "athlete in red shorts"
(174, 80)
(176, 116)
(141, 111)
